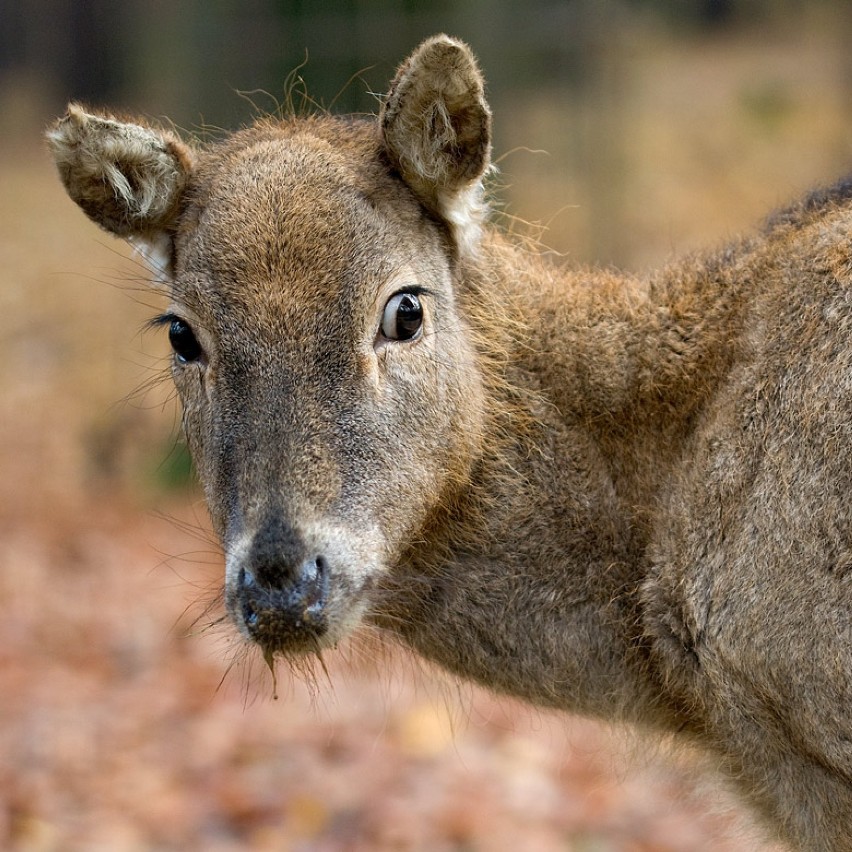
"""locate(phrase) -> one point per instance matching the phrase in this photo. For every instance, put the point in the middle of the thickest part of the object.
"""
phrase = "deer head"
(332, 397)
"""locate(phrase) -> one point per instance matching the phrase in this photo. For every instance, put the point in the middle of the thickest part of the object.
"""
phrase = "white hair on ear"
(156, 253)
(465, 212)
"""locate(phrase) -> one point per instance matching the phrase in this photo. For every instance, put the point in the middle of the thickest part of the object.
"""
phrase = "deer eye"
(184, 342)
(403, 317)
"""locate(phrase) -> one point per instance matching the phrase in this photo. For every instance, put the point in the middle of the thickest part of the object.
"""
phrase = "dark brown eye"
(184, 342)
(403, 317)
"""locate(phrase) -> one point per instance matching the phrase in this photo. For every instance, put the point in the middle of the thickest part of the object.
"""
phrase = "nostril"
(313, 586)
(245, 583)
(250, 616)
(312, 570)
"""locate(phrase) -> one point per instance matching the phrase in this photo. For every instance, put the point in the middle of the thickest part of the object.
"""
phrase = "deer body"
(624, 497)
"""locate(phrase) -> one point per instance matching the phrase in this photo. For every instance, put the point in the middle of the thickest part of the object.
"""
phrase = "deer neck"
(529, 582)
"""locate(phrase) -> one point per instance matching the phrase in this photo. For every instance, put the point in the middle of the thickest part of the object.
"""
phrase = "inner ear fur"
(436, 127)
(126, 176)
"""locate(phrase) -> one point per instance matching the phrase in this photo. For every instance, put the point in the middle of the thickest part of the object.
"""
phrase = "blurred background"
(625, 132)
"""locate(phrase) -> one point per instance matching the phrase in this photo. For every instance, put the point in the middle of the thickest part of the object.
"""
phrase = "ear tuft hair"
(125, 176)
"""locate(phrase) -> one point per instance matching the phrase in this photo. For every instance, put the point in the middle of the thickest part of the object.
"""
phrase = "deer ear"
(436, 127)
(126, 177)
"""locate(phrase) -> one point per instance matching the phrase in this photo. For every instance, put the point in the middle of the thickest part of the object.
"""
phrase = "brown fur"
(625, 497)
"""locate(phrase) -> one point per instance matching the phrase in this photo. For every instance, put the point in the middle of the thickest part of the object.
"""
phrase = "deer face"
(331, 394)
(328, 383)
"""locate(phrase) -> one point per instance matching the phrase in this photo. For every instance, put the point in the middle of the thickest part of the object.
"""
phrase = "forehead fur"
(296, 204)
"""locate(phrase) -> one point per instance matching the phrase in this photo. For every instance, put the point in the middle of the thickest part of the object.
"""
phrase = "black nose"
(281, 592)
(285, 615)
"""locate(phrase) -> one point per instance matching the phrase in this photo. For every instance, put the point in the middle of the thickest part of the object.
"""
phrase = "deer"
(617, 495)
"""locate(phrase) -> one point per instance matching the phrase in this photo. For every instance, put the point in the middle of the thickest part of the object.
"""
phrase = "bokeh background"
(625, 132)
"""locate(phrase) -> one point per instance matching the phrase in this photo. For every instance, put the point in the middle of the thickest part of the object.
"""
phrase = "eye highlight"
(402, 317)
